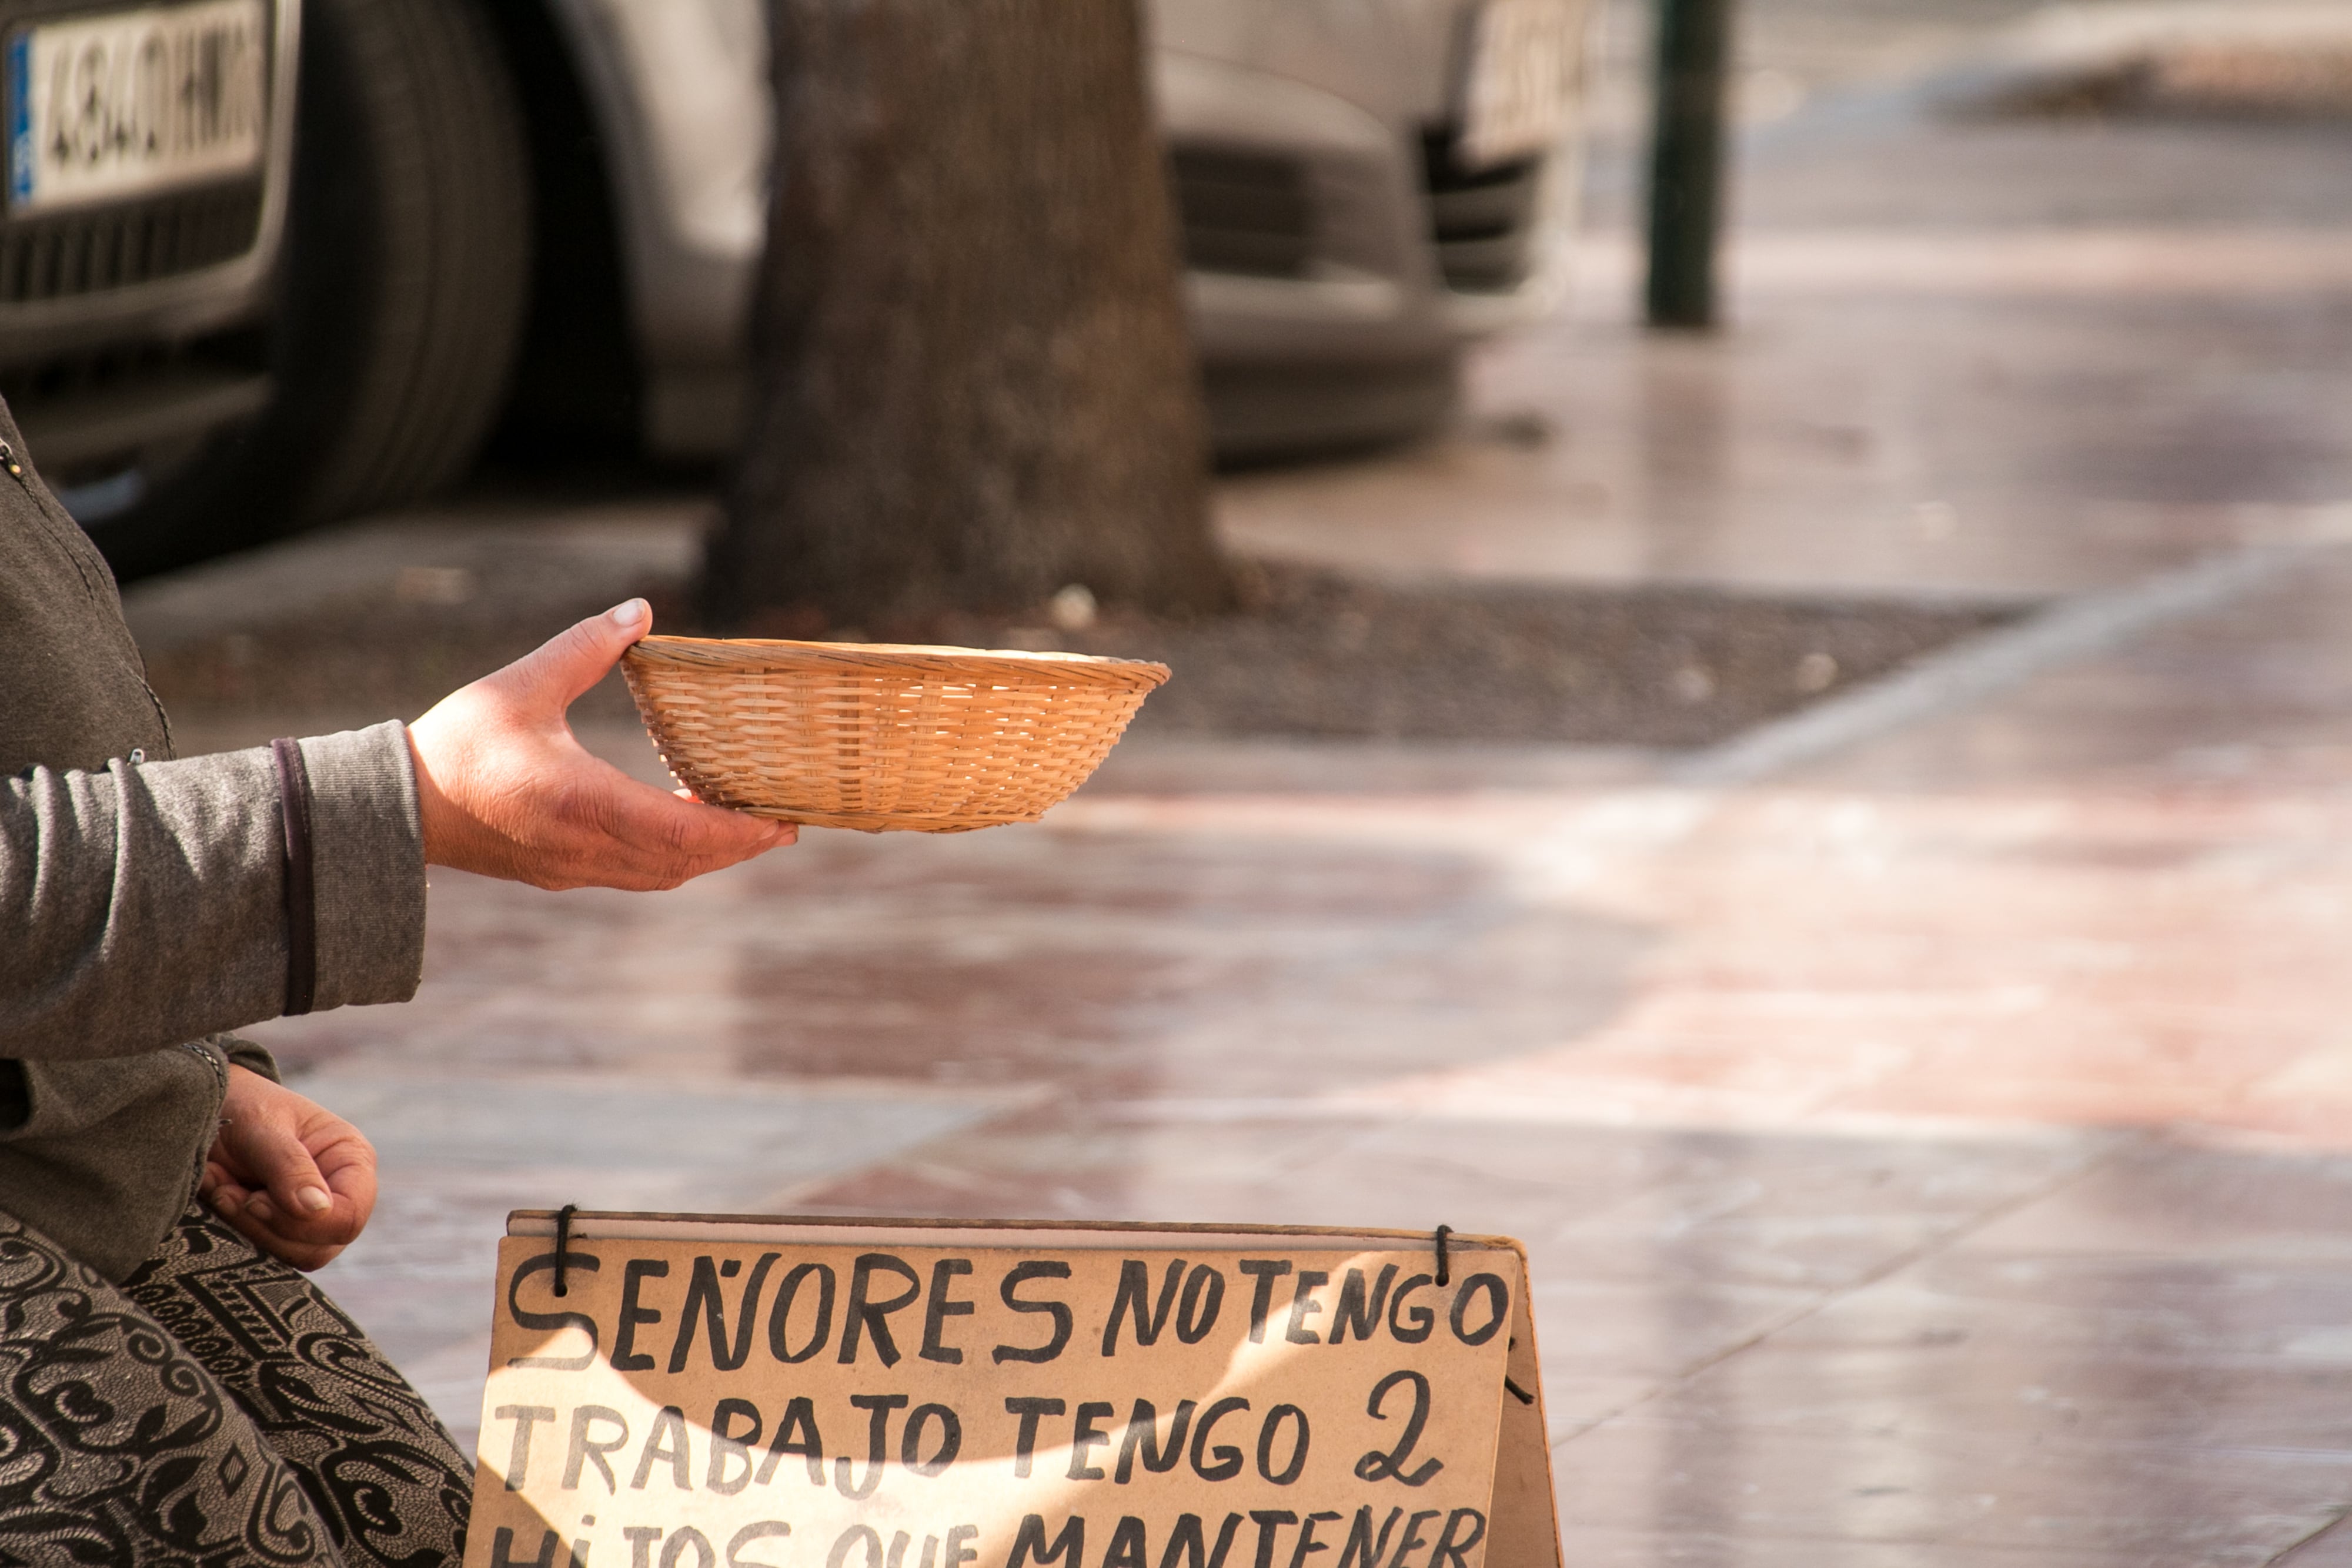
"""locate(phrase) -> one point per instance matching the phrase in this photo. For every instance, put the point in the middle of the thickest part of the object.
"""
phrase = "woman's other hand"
(506, 790)
(295, 1179)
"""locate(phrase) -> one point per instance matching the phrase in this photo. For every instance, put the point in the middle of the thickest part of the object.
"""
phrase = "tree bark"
(973, 383)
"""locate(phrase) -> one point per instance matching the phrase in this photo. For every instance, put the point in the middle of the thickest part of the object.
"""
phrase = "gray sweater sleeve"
(146, 905)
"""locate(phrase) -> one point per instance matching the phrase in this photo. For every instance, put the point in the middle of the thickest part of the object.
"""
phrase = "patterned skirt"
(215, 1410)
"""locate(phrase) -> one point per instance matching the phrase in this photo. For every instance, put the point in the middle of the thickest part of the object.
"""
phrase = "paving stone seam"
(1982, 667)
(2289, 1555)
(1908, 1257)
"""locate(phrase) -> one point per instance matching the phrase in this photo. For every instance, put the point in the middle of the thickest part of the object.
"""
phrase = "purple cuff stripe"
(301, 896)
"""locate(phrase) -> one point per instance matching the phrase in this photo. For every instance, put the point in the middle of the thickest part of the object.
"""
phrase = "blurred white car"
(549, 213)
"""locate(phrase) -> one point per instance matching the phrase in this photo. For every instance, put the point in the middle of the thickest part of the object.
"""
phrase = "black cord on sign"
(564, 1245)
(1445, 1272)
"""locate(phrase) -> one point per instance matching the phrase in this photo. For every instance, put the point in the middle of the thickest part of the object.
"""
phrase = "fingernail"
(315, 1200)
(259, 1209)
(633, 614)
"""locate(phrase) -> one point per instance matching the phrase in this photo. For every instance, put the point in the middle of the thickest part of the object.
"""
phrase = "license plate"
(1523, 58)
(132, 103)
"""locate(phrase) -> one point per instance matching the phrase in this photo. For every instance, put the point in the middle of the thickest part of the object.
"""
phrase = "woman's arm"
(154, 903)
(146, 905)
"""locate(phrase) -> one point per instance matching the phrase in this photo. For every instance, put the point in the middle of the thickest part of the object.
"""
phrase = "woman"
(172, 1390)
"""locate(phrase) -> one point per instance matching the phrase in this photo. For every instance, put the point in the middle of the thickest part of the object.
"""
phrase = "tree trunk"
(974, 383)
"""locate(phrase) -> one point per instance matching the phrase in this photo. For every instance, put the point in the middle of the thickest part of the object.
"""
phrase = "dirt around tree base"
(1317, 654)
(1313, 655)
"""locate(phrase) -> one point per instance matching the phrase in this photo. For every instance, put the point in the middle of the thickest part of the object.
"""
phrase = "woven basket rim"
(909, 658)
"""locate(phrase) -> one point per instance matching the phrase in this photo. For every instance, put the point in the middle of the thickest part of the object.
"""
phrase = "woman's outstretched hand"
(504, 790)
(295, 1179)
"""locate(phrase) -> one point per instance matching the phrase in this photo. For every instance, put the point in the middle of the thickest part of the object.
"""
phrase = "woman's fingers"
(560, 669)
(676, 840)
(347, 1160)
(328, 1205)
(293, 1178)
(271, 1154)
(304, 1244)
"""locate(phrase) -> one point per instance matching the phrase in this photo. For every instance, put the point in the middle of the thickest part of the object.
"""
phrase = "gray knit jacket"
(144, 900)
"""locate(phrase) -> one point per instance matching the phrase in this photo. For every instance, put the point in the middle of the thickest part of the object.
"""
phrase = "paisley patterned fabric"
(215, 1411)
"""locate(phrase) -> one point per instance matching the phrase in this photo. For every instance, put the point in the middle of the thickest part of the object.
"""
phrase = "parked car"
(228, 308)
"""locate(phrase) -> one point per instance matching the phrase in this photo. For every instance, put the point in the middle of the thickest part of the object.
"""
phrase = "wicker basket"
(882, 737)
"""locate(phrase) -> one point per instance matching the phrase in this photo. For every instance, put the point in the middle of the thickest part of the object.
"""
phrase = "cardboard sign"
(723, 1393)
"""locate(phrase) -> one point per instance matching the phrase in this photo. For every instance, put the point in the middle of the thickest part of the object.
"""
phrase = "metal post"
(1687, 161)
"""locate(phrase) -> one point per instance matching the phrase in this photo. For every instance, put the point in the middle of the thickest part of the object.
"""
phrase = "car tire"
(1265, 412)
(401, 299)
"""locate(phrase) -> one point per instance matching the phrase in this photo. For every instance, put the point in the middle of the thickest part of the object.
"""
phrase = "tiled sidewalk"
(1935, 1155)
